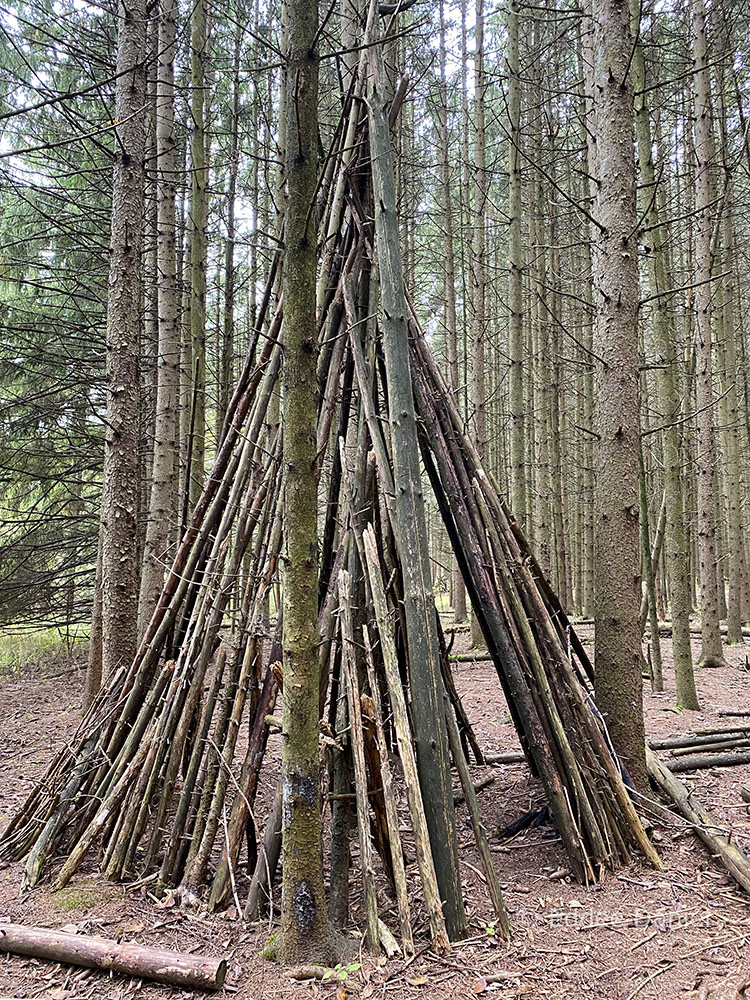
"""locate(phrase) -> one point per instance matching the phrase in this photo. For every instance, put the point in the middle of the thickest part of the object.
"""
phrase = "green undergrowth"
(22, 647)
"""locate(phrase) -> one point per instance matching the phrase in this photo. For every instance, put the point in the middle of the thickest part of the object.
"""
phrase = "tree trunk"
(198, 249)
(711, 654)
(616, 294)
(479, 244)
(305, 933)
(450, 321)
(163, 498)
(515, 281)
(119, 587)
(737, 568)
(226, 351)
(129, 959)
(667, 389)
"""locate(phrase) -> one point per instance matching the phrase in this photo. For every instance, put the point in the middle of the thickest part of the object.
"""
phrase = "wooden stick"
(358, 758)
(480, 835)
(261, 885)
(159, 964)
(736, 862)
(391, 809)
(403, 736)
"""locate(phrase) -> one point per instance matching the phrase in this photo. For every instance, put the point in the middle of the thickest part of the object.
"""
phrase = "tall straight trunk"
(305, 933)
(617, 555)
(711, 654)
(163, 496)
(449, 272)
(149, 288)
(658, 273)
(419, 604)
(478, 389)
(590, 250)
(737, 569)
(556, 413)
(515, 281)
(119, 589)
(479, 240)
(227, 339)
(198, 247)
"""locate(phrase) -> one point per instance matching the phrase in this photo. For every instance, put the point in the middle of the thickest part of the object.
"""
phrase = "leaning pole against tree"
(411, 530)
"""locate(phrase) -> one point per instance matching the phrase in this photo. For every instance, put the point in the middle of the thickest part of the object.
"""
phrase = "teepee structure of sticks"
(151, 781)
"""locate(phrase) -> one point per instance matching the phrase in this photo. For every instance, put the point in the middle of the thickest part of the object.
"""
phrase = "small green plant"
(342, 971)
(270, 950)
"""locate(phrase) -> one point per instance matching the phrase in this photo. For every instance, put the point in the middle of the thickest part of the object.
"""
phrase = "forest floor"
(677, 933)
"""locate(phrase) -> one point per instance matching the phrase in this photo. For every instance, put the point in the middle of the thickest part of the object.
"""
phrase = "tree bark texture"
(120, 484)
(163, 499)
(616, 295)
(711, 654)
(159, 964)
(305, 934)
(668, 400)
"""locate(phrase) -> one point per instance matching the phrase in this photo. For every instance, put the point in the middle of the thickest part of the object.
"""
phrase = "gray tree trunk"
(616, 294)
(515, 281)
(450, 321)
(667, 391)
(119, 582)
(162, 512)
(711, 654)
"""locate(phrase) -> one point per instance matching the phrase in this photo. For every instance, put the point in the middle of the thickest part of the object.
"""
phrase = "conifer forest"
(375, 499)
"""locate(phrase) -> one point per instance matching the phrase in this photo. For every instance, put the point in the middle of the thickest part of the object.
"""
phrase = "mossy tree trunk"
(305, 933)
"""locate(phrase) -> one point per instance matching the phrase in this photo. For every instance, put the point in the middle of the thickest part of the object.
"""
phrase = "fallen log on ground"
(158, 964)
(700, 739)
(459, 797)
(700, 761)
(732, 858)
(727, 744)
(511, 757)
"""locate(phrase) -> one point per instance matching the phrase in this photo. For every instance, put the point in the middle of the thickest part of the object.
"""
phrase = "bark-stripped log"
(159, 964)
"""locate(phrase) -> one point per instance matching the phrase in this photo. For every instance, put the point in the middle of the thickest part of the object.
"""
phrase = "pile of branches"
(148, 780)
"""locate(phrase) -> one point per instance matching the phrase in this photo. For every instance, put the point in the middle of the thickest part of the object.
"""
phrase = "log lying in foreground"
(158, 964)
(736, 862)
